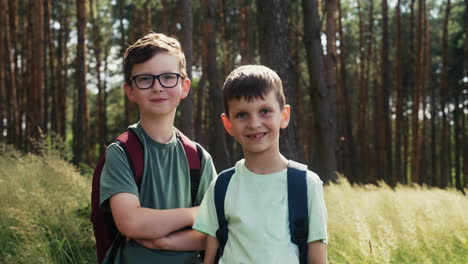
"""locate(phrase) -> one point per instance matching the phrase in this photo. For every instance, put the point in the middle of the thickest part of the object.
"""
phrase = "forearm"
(187, 240)
(137, 222)
(154, 224)
(212, 246)
(317, 253)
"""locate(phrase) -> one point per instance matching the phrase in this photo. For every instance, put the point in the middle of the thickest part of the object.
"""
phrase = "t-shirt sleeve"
(317, 209)
(206, 221)
(208, 173)
(116, 176)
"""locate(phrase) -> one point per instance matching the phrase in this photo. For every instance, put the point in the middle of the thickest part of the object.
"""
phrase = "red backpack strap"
(193, 154)
(103, 223)
(133, 148)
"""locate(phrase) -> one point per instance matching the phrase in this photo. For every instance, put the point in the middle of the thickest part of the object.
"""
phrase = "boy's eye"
(168, 76)
(265, 111)
(240, 115)
(144, 78)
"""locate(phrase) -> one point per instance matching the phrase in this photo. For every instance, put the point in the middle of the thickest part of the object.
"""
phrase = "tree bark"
(100, 118)
(3, 65)
(399, 171)
(385, 126)
(445, 135)
(324, 151)
(37, 113)
(273, 22)
(10, 87)
(217, 141)
(186, 37)
(350, 159)
(246, 45)
(80, 134)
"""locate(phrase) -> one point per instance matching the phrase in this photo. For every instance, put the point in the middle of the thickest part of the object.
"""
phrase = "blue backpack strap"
(221, 186)
(298, 207)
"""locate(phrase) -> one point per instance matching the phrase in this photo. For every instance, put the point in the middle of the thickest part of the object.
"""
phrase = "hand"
(160, 244)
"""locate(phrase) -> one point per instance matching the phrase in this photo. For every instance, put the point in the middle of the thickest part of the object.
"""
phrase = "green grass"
(44, 211)
(44, 218)
(377, 224)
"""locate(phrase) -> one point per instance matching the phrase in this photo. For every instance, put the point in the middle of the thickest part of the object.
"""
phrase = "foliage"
(378, 224)
(44, 213)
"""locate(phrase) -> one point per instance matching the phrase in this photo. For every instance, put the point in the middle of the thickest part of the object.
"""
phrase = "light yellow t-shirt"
(256, 208)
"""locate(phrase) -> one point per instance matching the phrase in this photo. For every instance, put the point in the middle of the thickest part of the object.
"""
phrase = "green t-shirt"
(165, 185)
(256, 207)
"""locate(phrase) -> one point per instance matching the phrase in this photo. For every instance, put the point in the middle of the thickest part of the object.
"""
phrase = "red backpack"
(104, 227)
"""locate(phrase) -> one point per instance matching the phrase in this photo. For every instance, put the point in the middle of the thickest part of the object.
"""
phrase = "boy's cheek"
(129, 92)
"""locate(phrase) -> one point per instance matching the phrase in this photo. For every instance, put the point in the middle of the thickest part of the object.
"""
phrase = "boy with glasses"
(152, 218)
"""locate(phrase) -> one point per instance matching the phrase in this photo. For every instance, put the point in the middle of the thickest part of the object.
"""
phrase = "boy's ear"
(285, 116)
(185, 88)
(129, 92)
(227, 123)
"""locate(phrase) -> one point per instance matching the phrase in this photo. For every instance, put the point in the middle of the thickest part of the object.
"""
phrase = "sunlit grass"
(377, 224)
(44, 218)
(44, 211)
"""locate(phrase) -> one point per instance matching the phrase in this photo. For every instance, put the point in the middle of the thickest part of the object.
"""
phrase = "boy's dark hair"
(148, 46)
(251, 82)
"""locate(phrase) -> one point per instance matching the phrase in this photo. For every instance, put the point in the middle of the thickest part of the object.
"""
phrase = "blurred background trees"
(378, 88)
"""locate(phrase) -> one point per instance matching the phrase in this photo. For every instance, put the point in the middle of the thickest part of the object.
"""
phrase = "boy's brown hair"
(251, 82)
(148, 46)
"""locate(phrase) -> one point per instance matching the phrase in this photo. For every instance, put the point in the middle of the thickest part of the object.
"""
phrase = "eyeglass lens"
(166, 80)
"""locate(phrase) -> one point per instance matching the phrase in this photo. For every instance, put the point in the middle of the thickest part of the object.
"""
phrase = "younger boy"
(256, 201)
(156, 80)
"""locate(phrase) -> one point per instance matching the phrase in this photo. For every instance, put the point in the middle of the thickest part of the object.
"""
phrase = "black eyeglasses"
(146, 81)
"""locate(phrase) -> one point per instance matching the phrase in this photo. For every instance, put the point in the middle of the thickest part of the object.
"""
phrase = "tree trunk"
(64, 35)
(324, 151)
(465, 105)
(217, 140)
(385, 127)
(80, 117)
(38, 71)
(9, 76)
(246, 45)
(123, 45)
(399, 171)
(187, 39)
(416, 128)
(100, 118)
(273, 22)
(48, 66)
(3, 53)
(349, 159)
(362, 105)
(444, 140)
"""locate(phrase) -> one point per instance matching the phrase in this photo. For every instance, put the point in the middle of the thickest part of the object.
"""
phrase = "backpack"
(104, 227)
(297, 203)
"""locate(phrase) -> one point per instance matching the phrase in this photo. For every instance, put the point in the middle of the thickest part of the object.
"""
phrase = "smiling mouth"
(256, 136)
(159, 100)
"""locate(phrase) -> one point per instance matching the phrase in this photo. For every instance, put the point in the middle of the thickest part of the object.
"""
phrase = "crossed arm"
(317, 251)
(155, 228)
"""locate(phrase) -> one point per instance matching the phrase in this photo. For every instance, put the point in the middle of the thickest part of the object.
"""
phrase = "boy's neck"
(265, 163)
(159, 129)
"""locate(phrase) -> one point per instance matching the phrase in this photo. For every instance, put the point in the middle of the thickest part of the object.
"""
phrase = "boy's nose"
(254, 122)
(156, 87)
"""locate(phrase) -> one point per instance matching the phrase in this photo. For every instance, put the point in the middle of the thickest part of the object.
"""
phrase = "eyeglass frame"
(178, 75)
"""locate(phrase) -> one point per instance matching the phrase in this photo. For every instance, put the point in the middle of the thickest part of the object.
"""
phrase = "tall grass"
(44, 217)
(377, 224)
(44, 210)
